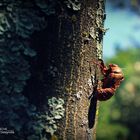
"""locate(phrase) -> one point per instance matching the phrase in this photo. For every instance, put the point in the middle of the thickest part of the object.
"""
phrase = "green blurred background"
(119, 117)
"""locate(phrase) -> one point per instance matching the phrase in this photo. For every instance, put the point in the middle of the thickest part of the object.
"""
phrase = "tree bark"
(73, 40)
(46, 67)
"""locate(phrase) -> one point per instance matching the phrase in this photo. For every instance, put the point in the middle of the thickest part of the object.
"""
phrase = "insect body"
(113, 76)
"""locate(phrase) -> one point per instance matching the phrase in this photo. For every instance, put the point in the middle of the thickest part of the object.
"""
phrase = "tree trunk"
(47, 72)
(73, 40)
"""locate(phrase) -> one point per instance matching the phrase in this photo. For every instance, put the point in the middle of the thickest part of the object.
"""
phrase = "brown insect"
(104, 89)
(112, 79)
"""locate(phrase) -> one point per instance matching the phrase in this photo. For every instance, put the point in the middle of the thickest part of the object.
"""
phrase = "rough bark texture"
(73, 40)
(47, 49)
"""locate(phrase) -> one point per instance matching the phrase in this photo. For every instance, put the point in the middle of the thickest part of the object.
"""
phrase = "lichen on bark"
(47, 51)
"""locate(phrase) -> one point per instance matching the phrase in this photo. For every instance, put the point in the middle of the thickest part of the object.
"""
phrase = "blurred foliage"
(119, 117)
(133, 5)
